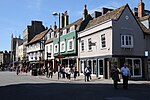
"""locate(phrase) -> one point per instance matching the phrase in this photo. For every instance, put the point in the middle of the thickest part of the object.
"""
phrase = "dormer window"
(64, 31)
(52, 35)
(57, 35)
(72, 28)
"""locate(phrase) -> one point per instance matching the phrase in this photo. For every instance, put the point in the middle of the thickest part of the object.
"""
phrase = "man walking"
(125, 75)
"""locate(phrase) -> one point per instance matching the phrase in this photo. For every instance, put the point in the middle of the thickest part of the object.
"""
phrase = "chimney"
(66, 19)
(55, 26)
(85, 12)
(141, 7)
(105, 10)
(62, 20)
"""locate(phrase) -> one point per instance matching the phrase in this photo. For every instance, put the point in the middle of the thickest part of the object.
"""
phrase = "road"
(26, 87)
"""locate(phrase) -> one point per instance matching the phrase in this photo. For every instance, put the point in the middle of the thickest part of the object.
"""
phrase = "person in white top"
(125, 75)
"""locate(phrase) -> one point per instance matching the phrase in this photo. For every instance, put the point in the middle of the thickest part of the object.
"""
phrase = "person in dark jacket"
(115, 76)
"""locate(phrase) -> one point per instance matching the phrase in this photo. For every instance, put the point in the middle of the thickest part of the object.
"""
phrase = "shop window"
(137, 69)
(135, 66)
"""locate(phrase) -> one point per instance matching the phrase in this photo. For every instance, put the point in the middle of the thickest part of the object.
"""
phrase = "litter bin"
(34, 71)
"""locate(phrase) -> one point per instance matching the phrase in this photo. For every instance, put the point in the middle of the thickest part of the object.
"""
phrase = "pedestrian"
(125, 75)
(87, 73)
(51, 72)
(75, 73)
(115, 76)
(63, 71)
(18, 70)
(68, 72)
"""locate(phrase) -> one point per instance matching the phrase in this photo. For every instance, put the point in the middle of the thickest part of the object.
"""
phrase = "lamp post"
(58, 14)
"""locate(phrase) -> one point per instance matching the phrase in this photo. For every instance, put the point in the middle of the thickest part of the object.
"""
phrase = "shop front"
(101, 67)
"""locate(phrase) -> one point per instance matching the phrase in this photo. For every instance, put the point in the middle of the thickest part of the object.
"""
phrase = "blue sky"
(15, 15)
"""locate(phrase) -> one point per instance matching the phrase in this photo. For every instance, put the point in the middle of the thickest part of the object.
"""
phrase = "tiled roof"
(145, 30)
(38, 36)
(114, 14)
(145, 18)
(78, 23)
(49, 40)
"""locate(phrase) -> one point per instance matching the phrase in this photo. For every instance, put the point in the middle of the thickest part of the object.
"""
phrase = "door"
(101, 67)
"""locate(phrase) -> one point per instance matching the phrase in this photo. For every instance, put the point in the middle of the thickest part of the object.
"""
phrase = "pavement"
(80, 79)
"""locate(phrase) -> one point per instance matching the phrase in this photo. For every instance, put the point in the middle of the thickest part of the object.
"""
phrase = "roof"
(145, 30)
(39, 36)
(77, 22)
(49, 40)
(145, 18)
(114, 14)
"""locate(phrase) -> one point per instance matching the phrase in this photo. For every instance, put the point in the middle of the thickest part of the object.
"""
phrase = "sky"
(15, 15)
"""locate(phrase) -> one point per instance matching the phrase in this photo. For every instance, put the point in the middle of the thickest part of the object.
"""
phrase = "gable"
(127, 21)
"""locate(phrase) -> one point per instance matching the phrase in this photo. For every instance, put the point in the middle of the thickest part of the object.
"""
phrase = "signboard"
(146, 53)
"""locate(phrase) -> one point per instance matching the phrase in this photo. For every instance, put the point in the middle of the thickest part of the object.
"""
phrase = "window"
(82, 45)
(103, 41)
(52, 35)
(62, 46)
(127, 41)
(51, 48)
(70, 45)
(56, 48)
(135, 66)
(46, 48)
(89, 44)
(72, 28)
(64, 31)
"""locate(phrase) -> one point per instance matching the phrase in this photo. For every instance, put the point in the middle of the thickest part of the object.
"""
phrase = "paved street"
(26, 87)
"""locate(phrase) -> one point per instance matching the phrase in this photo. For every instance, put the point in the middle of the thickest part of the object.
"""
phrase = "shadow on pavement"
(71, 91)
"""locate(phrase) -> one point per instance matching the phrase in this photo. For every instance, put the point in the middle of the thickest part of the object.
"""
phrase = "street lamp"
(58, 14)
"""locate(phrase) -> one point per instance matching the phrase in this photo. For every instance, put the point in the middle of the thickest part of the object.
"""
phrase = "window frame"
(82, 45)
(127, 41)
(68, 46)
(102, 41)
(89, 41)
(56, 49)
(62, 42)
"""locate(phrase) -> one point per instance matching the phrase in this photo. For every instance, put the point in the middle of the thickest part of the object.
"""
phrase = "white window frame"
(127, 41)
(64, 31)
(56, 50)
(46, 48)
(133, 66)
(68, 46)
(52, 35)
(72, 28)
(61, 44)
(82, 45)
(51, 48)
(57, 35)
(89, 45)
(102, 41)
